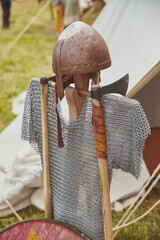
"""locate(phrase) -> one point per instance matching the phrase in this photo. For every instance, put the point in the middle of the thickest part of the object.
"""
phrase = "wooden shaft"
(106, 205)
(46, 177)
(74, 98)
(81, 92)
(101, 147)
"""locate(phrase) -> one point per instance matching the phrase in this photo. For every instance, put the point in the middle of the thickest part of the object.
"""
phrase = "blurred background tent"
(92, 11)
(71, 13)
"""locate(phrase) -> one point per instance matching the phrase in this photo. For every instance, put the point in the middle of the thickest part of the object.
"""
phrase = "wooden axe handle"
(101, 147)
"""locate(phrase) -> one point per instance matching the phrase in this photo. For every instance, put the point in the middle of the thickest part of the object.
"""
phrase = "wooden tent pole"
(101, 147)
(46, 177)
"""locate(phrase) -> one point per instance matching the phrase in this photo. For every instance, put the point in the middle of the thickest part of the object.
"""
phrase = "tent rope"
(139, 195)
(138, 203)
(25, 29)
(4, 187)
(139, 218)
(12, 208)
(2, 169)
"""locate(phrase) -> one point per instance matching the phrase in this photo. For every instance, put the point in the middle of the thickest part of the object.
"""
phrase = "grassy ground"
(145, 229)
(31, 57)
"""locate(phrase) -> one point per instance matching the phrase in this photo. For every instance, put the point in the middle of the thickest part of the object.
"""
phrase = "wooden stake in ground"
(101, 147)
(46, 177)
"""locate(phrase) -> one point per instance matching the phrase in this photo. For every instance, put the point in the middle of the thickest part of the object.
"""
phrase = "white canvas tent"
(131, 30)
(132, 33)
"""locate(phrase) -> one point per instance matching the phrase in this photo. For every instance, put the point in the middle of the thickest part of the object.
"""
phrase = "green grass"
(30, 57)
(147, 228)
(27, 213)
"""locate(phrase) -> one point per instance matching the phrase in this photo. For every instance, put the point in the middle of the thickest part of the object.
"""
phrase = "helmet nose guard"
(79, 49)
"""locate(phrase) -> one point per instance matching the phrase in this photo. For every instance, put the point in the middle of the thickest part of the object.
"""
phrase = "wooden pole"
(46, 178)
(75, 97)
(101, 147)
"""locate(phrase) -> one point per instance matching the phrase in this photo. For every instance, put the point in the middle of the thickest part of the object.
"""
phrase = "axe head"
(119, 86)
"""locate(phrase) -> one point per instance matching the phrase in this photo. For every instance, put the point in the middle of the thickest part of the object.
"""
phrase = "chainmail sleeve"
(32, 116)
(127, 128)
(141, 129)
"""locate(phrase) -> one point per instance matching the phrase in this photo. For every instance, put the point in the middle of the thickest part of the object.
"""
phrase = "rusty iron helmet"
(79, 49)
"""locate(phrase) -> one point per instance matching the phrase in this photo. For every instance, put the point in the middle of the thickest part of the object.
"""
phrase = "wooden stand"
(75, 102)
(74, 99)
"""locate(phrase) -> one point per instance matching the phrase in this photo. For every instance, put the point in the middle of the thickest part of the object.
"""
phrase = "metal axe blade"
(119, 86)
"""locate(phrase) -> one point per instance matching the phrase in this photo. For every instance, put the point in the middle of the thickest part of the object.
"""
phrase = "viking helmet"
(79, 49)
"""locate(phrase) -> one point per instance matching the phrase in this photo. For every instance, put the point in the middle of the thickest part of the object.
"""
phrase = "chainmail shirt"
(74, 171)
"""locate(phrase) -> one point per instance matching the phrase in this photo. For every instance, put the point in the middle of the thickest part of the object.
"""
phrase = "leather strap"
(59, 127)
(58, 71)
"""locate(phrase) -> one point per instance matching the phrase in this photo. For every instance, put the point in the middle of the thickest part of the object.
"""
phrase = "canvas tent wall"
(149, 96)
(131, 31)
